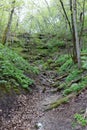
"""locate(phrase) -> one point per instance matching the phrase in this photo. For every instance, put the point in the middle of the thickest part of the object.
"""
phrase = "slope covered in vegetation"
(43, 48)
(14, 69)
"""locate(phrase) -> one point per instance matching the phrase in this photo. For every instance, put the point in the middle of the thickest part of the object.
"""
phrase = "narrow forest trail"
(43, 65)
(25, 110)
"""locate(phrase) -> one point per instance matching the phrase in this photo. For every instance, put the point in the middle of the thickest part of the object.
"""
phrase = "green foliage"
(80, 119)
(45, 66)
(14, 66)
(84, 59)
(73, 75)
(62, 59)
(36, 40)
(55, 43)
(66, 66)
(84, 66)
(76, 87)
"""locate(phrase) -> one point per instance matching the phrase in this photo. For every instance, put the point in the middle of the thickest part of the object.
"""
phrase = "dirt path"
(26, 111)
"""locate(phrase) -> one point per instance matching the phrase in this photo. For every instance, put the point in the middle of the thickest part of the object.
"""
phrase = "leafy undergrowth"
(47, 58)
(13, 69)
(70, 79)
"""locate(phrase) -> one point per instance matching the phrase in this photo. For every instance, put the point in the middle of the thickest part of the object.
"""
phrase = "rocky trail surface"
(25, 111)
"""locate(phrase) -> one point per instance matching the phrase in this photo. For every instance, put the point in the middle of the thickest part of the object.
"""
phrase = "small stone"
(39, 125)
(85, 115)
(0, 110)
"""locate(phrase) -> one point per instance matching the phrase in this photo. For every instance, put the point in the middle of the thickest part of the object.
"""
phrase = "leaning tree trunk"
(76, 35)
(6, 32)
(61, 2)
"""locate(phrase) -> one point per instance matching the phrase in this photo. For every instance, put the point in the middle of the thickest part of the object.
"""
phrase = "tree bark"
(7, 29)
(82, 18)
(74, 56)
(76, 35)
(66, 15)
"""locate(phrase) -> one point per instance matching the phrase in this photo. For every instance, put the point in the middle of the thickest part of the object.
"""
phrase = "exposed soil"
(24, 111)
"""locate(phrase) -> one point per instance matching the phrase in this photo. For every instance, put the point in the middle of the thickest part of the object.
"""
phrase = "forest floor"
(26, 111)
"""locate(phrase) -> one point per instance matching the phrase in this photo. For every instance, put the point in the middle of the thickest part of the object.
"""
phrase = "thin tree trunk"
(82, 18)
(6, 32)
(76, 35)
(66, 15)
(74, 56)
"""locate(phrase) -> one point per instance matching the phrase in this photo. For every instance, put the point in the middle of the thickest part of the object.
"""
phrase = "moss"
(60, 101)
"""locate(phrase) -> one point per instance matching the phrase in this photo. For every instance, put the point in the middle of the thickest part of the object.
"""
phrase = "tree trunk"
(66, 15)
(6, 32)
(76, 35)
(74, 56)
(82, 18)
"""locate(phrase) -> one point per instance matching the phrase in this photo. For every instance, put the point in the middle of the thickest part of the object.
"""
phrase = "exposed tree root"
(61, 77)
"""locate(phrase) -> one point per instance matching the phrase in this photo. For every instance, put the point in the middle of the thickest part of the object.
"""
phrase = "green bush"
(13, 66)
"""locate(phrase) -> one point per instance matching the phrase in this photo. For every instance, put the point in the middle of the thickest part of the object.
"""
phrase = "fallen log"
(60, 101)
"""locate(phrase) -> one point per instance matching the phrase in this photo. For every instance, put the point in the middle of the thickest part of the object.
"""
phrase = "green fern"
(13, 66)
(80, 119)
